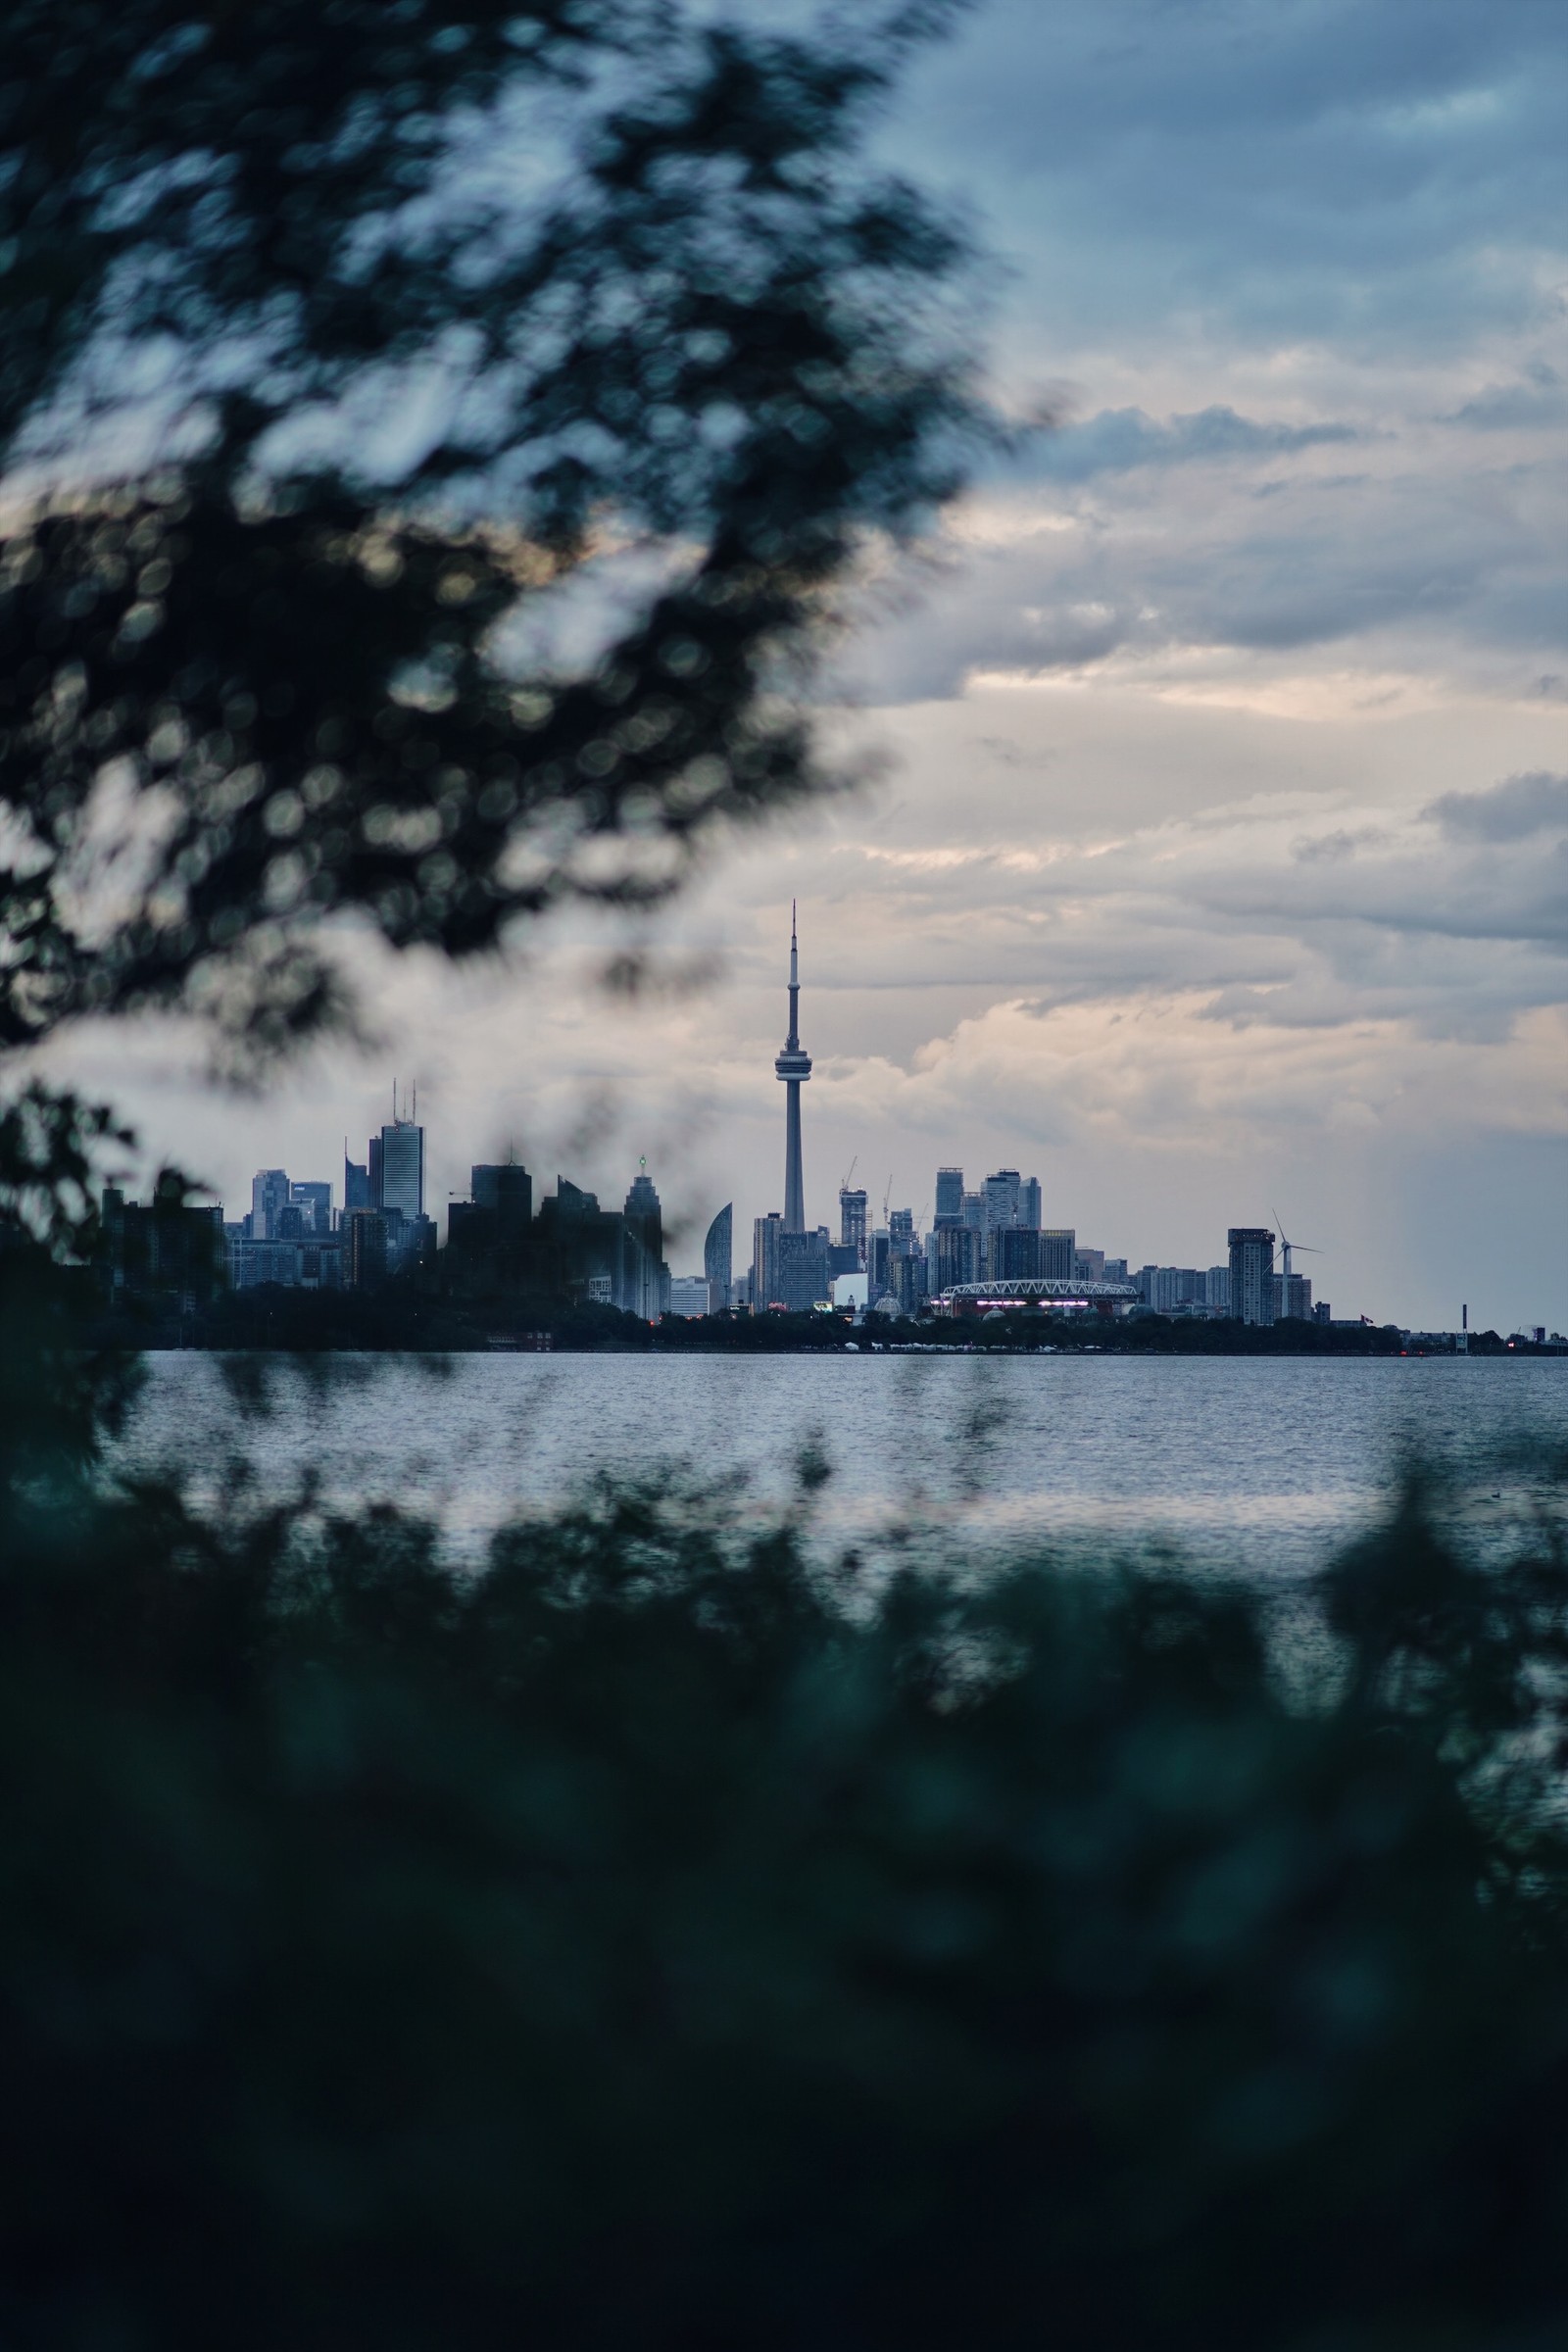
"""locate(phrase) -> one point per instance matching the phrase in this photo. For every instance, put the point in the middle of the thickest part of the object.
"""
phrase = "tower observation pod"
(793, 1067)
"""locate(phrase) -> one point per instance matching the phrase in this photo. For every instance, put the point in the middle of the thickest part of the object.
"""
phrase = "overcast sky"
(1217, 864)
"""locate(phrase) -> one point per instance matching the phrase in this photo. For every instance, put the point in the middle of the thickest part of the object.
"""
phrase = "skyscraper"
(503, 1192)
(269, 1200)
(1252, 1249)
(647, 1275)
(851, 1222)
(316, 1199)
(1013, 1253)
(949, 1197)
(768, 1280)
(1001, 1199)
(365, 1249)
(718, 1258)
(793, 1067)
(957, 1255)
(402, 1168)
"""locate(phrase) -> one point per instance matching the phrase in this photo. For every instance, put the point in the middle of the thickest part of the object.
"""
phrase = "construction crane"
(844, 1181)
(887, 1201)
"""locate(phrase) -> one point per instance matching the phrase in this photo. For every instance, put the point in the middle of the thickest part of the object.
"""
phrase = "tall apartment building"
(1059, 1252)
(949, 1197)
(1293, 1298)
(1170, 1289)
(365, 1254)
(1001, 1199)
(1013, 1253)
(957, 1255)
(1252, 1249)
(767, 1270)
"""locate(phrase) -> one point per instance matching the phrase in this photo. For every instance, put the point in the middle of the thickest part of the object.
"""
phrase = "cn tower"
(794, 1066)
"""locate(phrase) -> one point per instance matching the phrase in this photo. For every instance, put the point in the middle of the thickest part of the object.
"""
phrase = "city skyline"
(1214, 860)
(286, 1207)
(687, 1213)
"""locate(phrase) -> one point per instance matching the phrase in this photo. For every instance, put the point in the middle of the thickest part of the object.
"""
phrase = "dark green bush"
(650, 1941)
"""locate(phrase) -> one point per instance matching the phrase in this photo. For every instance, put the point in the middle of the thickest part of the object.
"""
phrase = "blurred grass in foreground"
(641, 1944)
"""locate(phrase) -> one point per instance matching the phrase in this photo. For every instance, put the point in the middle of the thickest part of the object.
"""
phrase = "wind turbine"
(1310, 1248)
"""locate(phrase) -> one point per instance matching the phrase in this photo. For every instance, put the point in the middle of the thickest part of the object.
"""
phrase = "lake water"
(1240, 1461)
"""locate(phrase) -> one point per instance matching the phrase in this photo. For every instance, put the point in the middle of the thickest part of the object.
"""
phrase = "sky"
(1214, 865)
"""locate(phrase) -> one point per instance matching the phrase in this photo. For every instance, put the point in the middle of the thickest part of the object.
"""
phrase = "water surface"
(1240, 1460)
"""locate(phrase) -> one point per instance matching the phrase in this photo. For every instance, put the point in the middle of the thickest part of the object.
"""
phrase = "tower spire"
(794, 1066)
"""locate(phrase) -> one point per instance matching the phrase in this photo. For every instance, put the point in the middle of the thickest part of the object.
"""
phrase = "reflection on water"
(1216, 1453)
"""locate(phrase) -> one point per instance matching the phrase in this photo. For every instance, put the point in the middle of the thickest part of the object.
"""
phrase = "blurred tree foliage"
(648, 1942)
(436, 433)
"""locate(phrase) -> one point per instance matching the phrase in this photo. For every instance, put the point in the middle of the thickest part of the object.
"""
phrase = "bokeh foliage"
(649, 1941)
(342, 342)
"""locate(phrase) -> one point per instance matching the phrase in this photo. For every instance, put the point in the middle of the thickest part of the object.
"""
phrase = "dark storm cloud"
(1513, 810)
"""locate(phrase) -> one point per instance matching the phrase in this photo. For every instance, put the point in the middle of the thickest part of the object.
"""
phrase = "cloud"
(1513, 810)
(1328, 849)
(1215, 861)
(1314, 170)
(1118, 440)
(1132, 1072)
(1431, 561)
(1541, 398)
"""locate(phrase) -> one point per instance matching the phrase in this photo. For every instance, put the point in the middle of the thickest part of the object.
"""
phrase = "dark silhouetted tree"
(437, 436)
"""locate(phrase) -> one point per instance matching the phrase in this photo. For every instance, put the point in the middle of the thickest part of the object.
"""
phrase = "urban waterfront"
(987, 1253)
(1261, 1465)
